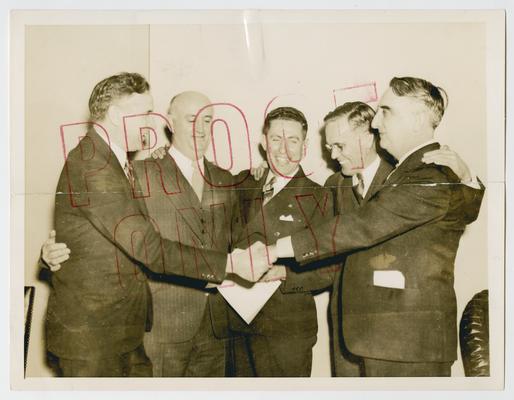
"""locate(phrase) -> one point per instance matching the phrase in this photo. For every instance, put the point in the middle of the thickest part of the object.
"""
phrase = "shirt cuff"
(473, 183)
(285, 247)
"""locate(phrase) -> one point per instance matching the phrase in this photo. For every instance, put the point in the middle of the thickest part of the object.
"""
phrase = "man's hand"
(276, 273)
(160, 153)
(446, 156)
(53, 254)
(259, 171)
(250, 264)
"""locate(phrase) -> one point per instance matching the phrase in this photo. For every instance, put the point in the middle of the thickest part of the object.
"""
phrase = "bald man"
(191, 200)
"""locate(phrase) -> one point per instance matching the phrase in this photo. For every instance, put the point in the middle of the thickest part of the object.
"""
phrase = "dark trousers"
(261, 356)
(201, 356)
(344, 363)
(132, 364)
(383, 368)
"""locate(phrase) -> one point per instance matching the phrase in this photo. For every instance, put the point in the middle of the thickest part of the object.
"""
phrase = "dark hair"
(289, 113)
(356, 112)
(429, 94)
(111, 89)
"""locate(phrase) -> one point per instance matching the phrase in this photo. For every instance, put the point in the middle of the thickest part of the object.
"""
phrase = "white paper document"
(248, 301)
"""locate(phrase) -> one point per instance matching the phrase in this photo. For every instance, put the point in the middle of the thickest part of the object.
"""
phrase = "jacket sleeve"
(472, 201)
(316, 277)
(111, 209)
(417, 199)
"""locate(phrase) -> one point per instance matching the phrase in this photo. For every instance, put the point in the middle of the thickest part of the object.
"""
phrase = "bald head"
(191, 118)
(185, 99)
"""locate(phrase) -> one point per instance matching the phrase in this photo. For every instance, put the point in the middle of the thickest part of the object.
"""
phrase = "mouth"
(282, 160)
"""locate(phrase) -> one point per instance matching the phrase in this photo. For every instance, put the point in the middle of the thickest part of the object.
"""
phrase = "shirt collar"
(280, 180)
(368, 173)
(185, 163)
(119, 153)
(412, 151)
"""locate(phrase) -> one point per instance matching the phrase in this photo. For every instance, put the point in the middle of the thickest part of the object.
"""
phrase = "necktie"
(129, 172)
(359, 187)
(197, 180)
(268, 190)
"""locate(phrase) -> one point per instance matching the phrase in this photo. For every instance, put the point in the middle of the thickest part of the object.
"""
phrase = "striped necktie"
(268, 190)
(359, 187)
(129, 172)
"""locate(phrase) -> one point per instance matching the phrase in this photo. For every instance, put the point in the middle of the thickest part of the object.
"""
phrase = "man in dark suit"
(190, 325)
(351, 142)
(279, 341)
(98, 306)
(398, 301)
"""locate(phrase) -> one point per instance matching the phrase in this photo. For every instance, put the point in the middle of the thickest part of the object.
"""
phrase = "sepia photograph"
(257, 194)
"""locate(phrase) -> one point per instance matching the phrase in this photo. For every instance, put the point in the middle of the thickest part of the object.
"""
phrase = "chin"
(284, 172)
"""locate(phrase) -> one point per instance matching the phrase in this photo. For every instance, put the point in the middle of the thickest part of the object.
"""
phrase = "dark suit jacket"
(179, 303)
(98, 303)
(291, 309)
(412, 224)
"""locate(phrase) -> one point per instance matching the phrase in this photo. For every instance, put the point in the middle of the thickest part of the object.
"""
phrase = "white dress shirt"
(280, 181)
(184, 163)
(368, 173)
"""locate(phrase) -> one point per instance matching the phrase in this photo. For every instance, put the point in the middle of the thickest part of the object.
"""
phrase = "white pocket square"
(286, 218)
(390, 279)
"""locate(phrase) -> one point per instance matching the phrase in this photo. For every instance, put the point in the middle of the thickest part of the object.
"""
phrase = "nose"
(334, 153)
(282, 147)
(199, 128)
(375, 121)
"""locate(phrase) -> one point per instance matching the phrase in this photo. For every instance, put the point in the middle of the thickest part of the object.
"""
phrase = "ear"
(368, 139)
(169, 117)
(305, 144)
(113, 115)
(421, 120)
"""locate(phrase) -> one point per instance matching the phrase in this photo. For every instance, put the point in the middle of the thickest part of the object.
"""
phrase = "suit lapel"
(138, 167)
(215, 193)
(103, 149)
(252, 197)
(186, 197)
(255, 216)
(384, 169)
(411, 162)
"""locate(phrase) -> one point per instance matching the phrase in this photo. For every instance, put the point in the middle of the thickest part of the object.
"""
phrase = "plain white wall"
(248, 66)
